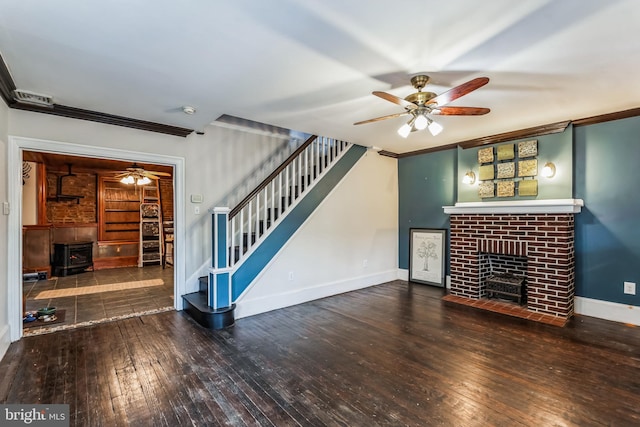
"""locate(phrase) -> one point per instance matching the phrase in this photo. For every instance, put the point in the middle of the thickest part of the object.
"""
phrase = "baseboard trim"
(5, 341)
(251, 307)
(403, 274)
(607, 310)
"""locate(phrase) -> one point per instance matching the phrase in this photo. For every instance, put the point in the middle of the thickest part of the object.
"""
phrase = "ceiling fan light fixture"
(421, 122)
(434, 127)
(128, 179)
(143, 181)
(404, 130)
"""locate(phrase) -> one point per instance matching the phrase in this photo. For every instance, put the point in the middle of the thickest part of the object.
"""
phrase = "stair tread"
(199, 301)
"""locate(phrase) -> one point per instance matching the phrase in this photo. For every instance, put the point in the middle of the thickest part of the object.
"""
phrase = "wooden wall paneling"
(41, 176)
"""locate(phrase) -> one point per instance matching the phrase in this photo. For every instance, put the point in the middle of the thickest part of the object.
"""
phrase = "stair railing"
(257, 214)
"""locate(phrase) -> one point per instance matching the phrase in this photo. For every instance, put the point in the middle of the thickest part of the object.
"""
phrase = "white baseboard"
(607, 310)
(5, 340)
(250, 307)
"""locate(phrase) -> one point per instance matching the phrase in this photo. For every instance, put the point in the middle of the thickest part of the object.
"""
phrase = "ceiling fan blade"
(460, 111)
(377, 119)
(395, 99)
(158, 173)
(458, 91)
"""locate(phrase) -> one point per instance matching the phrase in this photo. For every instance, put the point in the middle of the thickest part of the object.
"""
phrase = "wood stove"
(72, 257)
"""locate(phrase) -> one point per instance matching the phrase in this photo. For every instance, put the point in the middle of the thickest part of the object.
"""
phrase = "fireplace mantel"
(551, 206)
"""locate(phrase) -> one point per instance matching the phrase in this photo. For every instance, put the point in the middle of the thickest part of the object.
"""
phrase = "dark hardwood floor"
(394, 354)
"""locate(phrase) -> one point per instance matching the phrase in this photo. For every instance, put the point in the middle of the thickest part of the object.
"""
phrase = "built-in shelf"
(550, 206)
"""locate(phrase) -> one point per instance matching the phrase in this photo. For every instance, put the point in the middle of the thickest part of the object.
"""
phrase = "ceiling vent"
(29, 97)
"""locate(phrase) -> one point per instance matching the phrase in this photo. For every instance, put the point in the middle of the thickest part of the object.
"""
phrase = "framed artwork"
(528, 187)
(486, 189)
(426, 256)
(486, 172)
(528, 148)
(485, 155)
(528, 168)
(506, 170)
(506, 189)
(505, 152)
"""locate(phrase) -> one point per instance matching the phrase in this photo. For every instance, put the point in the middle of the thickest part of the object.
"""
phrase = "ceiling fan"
(421, 105)
(138, 176)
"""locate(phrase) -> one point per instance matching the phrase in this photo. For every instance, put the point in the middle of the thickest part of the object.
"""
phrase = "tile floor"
(93, 308)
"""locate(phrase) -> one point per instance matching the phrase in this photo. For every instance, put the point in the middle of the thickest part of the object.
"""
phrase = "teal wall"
(608, 228)
(605, 161)
(556, 148)
(426, 184)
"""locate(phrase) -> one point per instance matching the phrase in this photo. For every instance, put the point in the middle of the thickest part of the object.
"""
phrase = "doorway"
(17, 146)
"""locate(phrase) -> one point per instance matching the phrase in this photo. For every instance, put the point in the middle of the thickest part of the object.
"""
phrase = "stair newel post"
(219, 295)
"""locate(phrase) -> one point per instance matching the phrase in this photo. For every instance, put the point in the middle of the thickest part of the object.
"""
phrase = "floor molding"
(607, 310)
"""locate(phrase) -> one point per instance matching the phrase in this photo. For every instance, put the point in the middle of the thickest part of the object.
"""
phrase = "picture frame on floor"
(426, 256)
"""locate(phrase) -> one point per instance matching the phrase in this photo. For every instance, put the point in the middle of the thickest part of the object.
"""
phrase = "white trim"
(280, 218)
(14, 239)
(607, 310)
(251, 307)
(517, 207)
(5, 340)
(244, 257)
(403, 274)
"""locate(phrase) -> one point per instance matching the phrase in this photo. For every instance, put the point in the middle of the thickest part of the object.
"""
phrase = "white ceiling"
(311, 65)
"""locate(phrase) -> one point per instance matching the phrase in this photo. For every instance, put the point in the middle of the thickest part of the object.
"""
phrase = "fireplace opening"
(504, 277)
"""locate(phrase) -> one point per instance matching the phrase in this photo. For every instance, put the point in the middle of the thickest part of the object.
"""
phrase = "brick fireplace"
(540, 232)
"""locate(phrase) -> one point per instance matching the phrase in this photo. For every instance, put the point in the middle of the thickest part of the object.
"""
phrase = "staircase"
(247, 237)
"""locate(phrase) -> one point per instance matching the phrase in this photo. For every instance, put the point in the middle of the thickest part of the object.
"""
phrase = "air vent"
(29, 97)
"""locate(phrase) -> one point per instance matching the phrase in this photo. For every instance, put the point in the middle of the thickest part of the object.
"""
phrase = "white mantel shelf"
(550, 206)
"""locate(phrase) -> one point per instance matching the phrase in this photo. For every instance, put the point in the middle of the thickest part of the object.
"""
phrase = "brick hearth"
(546, 239)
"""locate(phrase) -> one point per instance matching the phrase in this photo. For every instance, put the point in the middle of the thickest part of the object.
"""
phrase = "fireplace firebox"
(506, 286)
(72, 257)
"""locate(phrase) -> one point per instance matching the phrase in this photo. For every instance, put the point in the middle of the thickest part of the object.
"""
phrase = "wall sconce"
(469, 178)
(549, 170)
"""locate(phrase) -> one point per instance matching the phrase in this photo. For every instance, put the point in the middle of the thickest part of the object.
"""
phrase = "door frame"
(16, 146)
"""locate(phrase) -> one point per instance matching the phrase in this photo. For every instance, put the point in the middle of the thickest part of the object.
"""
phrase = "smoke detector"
(188, 109)
(28, 97)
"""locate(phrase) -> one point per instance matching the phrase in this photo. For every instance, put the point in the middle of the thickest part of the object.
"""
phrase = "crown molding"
(7, 86)
(633, 112)
(109, 119)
